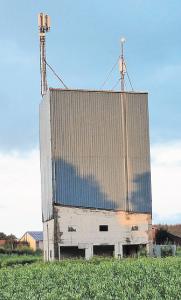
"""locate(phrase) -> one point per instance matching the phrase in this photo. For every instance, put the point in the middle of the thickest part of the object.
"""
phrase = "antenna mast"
(44, 26)
(122, 65)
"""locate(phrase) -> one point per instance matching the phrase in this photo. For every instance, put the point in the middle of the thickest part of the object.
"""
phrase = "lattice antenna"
(44, 26)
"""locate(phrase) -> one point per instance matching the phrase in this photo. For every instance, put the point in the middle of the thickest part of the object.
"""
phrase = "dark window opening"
(133, 250)
(134, 228)
(128, 240)
(103, 250)
(71, 252)
(103, 227)
(71, 229)
(50, 253)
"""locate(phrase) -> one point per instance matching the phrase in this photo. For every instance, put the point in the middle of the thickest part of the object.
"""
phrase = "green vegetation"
(101, 279)
(19, 250)
(178, 251)
(13, 260)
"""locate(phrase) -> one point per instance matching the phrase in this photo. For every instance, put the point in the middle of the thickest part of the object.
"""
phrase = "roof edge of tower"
(97, 91)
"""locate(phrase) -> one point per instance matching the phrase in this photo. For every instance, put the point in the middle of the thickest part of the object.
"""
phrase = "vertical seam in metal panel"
(125, 142)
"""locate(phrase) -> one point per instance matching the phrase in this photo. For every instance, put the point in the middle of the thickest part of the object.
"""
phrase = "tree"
(3, 236)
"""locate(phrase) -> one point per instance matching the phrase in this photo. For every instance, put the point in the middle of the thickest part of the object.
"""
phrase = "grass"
(143, 278)
(12, 260)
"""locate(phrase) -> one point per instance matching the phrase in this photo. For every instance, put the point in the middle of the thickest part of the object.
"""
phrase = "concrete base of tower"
(84, 233)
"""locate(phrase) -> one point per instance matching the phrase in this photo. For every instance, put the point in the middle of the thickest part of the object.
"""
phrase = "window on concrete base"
(103, 227)
(103, 250)
(71, 229)
(71, 252)
(134, 228)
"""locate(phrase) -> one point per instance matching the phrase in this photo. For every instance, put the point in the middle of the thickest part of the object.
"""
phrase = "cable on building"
(109, 74)
(116, 84)
(129, 78)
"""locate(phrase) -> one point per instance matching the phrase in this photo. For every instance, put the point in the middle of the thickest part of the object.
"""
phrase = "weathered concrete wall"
(84, 224)
(48, 240)
(45, 159)
(157, 249)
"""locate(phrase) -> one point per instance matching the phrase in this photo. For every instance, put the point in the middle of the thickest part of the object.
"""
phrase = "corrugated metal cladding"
(88, 149)
(99, 150)
(138, 153)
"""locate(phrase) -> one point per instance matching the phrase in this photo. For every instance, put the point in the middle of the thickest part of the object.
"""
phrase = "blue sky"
(82, 46)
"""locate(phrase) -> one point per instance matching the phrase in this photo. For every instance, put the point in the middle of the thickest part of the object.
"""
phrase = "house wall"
(30, 240)
(40, 245)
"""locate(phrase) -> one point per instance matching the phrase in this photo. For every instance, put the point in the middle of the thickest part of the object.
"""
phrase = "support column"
(149, 248)
(118, 250)
(89, 252)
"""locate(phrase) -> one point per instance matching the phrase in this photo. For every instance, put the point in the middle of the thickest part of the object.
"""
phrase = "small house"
(34, 239)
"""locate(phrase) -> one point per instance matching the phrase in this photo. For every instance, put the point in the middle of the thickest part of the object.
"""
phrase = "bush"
(178, 251)
(20, 250)
(12, 260)
(142, 251)
(24, 250)
(2, 250)
(38, 252)
(166, 251)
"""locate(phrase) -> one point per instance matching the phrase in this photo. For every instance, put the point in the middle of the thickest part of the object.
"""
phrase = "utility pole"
(44, 26)
(122, 65)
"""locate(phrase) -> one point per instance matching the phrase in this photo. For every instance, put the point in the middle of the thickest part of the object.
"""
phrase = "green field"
(143, 278)
(13, 260)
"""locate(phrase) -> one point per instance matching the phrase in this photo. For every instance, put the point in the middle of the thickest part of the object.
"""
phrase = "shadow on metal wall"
(140, 200)
(75, 190)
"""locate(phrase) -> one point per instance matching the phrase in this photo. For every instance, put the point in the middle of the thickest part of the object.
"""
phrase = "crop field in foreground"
(144, 278)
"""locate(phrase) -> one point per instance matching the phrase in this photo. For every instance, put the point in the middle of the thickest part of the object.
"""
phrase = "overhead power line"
(56, 75)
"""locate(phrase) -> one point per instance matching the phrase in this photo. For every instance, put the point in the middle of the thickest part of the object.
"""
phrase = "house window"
(103, 227)
(71, 229)
(50, 253)
(134, 228)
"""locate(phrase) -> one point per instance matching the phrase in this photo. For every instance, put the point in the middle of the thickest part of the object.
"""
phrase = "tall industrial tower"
(95, 169)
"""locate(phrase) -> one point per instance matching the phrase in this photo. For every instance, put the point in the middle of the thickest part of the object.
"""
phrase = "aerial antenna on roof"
(44, 26)
(122, 65)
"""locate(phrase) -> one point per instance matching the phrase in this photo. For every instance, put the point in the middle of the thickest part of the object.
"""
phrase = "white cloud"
(166, 182)
(20, 198)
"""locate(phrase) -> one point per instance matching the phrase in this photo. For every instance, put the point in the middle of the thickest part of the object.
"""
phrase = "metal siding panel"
(138, 153)
(96, 152)
(45, 159)
(87, 149)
